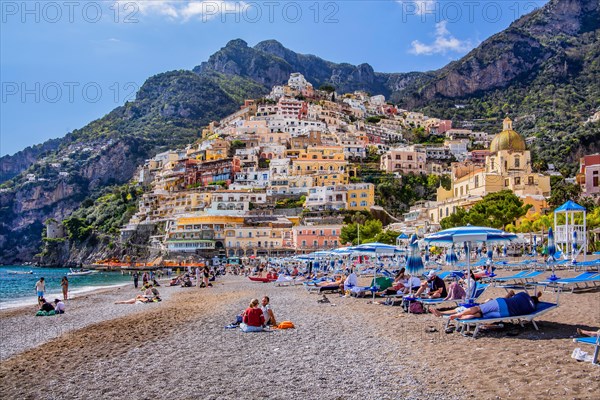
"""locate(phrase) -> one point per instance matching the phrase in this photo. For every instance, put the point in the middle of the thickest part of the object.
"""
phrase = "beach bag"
(286, 325)
(416, 308)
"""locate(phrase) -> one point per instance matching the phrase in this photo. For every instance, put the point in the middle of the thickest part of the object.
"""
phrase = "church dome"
(508, 139)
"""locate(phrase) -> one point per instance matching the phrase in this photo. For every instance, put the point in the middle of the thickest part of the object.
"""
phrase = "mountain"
(543, 70)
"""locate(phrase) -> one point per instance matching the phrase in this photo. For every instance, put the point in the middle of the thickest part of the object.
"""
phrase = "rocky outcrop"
(13, 165)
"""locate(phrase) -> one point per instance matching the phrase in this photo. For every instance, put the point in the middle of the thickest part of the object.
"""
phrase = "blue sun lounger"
(584, 278)
(594, 341)
(436, 302)
(541, 309)
(521, 277)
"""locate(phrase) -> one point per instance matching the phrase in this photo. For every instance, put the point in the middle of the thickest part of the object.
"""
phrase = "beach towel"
(42, 313)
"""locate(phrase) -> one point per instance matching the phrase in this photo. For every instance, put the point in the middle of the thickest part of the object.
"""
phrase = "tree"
(495, 210)
(327, 88)
(563, 191)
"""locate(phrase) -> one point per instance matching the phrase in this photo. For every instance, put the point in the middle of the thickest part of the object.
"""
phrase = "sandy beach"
(349, 349)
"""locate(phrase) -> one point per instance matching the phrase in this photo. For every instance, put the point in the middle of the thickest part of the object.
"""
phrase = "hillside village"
(282, 175)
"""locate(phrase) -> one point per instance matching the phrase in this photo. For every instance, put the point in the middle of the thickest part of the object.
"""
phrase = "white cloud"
(185, 10)
(444, 43)
(419, 7)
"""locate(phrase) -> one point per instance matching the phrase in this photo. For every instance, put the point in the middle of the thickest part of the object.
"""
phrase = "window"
(595, 181)
(398, 157)
(518, 180)
(477, 181)
(409, 158)
(353, 196)
(333, 232)
(506, 182)
(304, 243)
(315, 243)
(363, 203)
(530, 180)
(517, 162)
(352, 204)
(363, 195)
(446, 211)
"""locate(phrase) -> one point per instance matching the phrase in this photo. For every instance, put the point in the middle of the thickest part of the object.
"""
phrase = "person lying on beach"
(511, 305)
(582, 332)
(139, 299)
(45, 306)
(253, 318)
(437, 287)
(59, 306)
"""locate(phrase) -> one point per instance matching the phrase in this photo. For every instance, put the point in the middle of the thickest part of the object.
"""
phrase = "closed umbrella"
(414, 264)
(427, 253)
(534, 251)
(574, 242)
(504, 251)
(451, 258)
(551, 252)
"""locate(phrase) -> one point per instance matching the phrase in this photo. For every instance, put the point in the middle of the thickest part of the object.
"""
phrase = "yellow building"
(217, 150)
(361, 196)
(508, 167)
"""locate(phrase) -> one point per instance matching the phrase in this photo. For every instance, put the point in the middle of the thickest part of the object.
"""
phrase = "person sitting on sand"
(253, 318)
(511, 305)
(268, 311)
(59, 306)
(350, 281)
(46, 306)
(437, 287)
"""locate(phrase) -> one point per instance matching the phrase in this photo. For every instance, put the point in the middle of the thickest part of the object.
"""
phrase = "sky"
(66, 63)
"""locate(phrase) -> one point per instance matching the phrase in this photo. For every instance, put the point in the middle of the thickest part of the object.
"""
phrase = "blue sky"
(64, 64)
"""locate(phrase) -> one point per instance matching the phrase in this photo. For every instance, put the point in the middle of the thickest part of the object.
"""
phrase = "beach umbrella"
(574, 242)
(427, 253)
(414, 264)
(451, 258)
(471, 235)
(504, 251)
(551, 252)
(534, 252)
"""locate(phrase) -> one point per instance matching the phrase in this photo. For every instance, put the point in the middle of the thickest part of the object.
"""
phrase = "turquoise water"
(18, 289)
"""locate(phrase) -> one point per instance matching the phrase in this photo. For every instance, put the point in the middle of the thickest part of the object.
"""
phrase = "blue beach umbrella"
(574, 241)
(504, 250)
(414, 263)
(451, 258)
(534, 252)
(427, 253)
(551, 252)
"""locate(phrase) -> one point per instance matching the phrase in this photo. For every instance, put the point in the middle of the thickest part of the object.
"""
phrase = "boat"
(79, 272)
(20, 272)
(263, 279)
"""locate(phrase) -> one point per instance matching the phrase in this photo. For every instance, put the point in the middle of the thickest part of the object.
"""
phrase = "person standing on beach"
(206, 274)
(136, 277)
(40, 288)
(64, 283)
(198, 277)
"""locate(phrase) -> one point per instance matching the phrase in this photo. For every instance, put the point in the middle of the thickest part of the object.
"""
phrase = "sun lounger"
(594, 341)
(331, 288)
(519, 278)
(450, 275)
(541, 309)
(584, 278)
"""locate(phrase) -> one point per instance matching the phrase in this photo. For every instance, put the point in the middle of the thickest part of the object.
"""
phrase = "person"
(45, 306)
(155, 282)
(268, 312)
(205, 275)
(139, 299)
(198, 277)
(398, 284)
(64, 283)
(40, 288)
(136, 278)
(295, 271)
(253, 318)
(437, 287)
(145, 278)
(511, 305)
(59, 306)
(582, 332)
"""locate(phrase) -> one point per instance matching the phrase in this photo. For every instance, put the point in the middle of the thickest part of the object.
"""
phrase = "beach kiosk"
(570, 234)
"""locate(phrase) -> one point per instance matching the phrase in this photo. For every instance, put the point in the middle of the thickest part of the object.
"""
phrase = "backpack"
(416, 308)
(286, 325)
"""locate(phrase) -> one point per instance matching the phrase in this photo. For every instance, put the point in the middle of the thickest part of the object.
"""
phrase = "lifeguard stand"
(570, 233)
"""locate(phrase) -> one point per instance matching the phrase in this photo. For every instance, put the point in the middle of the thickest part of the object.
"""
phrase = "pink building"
(478, 156)
(404, 160)
(309, 238)
(589, 174)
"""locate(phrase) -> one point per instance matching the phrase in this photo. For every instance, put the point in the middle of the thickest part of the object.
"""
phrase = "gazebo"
(571, 237)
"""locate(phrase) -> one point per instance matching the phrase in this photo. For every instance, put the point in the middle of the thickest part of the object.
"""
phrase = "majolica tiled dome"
(508, 139)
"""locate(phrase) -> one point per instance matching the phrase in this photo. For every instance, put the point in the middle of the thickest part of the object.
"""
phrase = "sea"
(18, 288)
